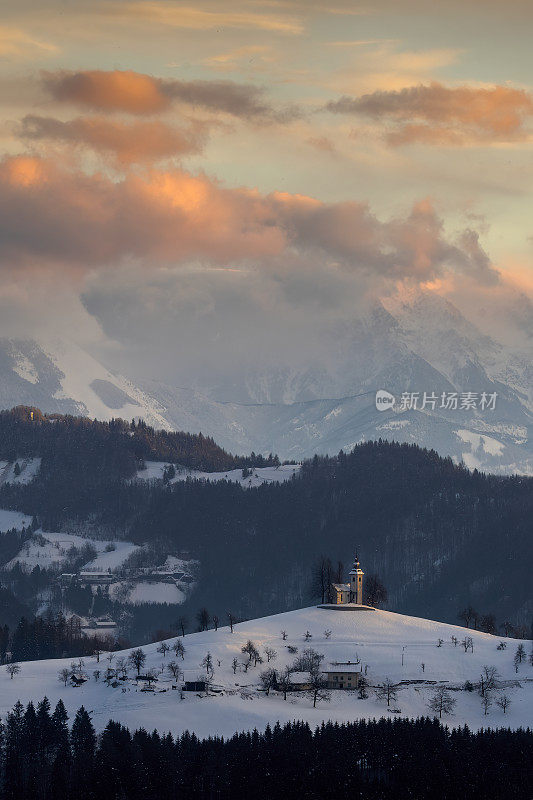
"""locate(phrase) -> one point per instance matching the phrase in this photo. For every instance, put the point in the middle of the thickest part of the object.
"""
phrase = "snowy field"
(154, 471)
(377, 638)
(147, 592)
(13, 519)
(50, 550)
(29, 468)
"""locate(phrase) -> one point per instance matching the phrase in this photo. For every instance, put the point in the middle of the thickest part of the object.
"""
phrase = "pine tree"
(83, 743)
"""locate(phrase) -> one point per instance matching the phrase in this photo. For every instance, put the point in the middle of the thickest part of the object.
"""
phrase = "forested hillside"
(83, 446)
(439, 536)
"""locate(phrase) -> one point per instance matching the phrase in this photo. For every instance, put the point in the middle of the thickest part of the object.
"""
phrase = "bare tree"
(442, 702)
(182, 624)
(468, 644)
(215, 621)
(122, 666)
(203, 619)
(284, 635)
(96, 675)
(174, 669)
(97, 652)
(13, 669)
(178, 648)
(487, 623)
(207, 662)
(250, 650)
(284, 682)
(376, 594)
(489, 680)
(327, 633)
(321, 578)
(163, 648)
(110, 656)
(235, 664)
(232, 621)
(387, 691)
(64, 675)
(308, 661)
(270, 653)
(308, 636)
(318, 687)
(503, 701)
(519, 656)
(486, 702)
(268, 680)
(466, 615)
(137, 658)
(507, 628)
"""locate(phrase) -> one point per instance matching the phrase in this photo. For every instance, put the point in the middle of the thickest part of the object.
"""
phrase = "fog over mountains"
(420, 345)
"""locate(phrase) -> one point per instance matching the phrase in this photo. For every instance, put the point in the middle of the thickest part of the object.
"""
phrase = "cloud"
(118, 90)
(135, 93)
(53, 216)
(128, 143)
(436, 114)
(187, 17)
(16, 43)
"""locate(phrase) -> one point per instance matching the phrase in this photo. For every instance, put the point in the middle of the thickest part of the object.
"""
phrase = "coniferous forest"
(47, 756)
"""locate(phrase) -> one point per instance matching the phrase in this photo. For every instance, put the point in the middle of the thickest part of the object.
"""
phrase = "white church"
(351, 592)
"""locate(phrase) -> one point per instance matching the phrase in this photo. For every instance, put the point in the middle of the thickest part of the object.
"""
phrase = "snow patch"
(154, 471)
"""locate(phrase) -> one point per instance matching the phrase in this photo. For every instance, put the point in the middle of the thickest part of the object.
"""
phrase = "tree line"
(42, 757)
(51, 637)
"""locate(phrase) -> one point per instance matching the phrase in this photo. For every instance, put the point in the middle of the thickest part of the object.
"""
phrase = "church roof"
(341, 587)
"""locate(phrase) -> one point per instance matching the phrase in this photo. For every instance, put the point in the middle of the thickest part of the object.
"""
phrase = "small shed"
(299, 681)
(194, 682)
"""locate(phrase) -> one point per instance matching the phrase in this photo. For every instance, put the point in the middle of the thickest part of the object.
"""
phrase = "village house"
(343, 676)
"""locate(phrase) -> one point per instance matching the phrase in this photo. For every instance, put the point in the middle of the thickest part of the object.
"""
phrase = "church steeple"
(356, 582)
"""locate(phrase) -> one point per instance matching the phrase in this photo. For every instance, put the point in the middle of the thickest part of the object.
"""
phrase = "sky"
(183, 185)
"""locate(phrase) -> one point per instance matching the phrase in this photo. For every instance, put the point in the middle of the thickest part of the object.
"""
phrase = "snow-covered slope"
(155, 469)
(58, 376)
(50, 550)
(377, 638)
(13, 519)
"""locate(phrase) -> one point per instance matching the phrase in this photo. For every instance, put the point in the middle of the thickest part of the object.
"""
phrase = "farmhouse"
(343, 676)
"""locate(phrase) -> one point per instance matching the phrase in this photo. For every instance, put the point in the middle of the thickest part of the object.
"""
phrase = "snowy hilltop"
(413, 657)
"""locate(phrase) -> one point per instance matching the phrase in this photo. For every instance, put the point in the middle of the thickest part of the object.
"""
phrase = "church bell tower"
(356, 583)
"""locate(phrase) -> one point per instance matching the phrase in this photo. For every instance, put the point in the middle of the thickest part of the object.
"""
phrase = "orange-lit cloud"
(136, 93)
(51, 215)
(436, 114)
(128, 143)
(108, 91)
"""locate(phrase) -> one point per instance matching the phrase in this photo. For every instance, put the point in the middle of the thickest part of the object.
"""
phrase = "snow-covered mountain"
(390, 646)
(419, 343)
(58, 376)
